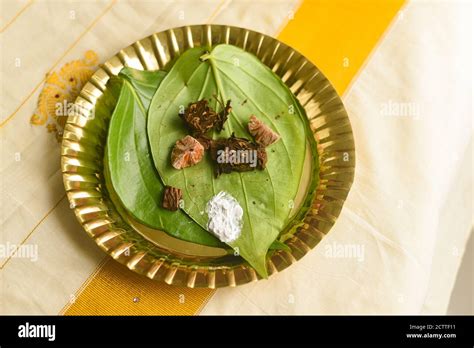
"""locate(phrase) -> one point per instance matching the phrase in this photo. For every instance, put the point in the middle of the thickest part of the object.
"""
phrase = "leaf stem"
(205, 56)
(220, 88)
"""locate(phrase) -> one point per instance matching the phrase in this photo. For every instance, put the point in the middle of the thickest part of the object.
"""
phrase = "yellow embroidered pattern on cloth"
(60, 90)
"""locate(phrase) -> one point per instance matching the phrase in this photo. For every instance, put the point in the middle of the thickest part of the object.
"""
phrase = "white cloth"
(410, 208)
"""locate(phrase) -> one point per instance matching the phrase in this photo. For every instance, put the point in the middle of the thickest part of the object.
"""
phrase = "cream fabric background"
(45, 36)
(411, 203)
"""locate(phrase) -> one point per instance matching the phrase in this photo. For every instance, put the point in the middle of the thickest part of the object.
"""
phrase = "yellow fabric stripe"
(115, 290)
(325, 31)
(338, 35)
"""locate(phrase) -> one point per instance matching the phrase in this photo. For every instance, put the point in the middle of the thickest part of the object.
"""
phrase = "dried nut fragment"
(187, 152)
(262, 134)
(205, 141)
(171, 198)
(237, 155)
(261, 157)
(201, 118)
(223, 114)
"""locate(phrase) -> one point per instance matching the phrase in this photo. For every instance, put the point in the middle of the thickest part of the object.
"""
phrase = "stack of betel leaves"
(210, 150)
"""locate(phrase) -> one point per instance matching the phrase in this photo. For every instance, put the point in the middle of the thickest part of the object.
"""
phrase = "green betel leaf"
(266, 196)
(277, 245)
(143, 82)
(128, 159)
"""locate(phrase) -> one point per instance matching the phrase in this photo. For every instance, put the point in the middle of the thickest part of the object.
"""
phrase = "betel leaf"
(278, 245)
(143, 82)
(132, 173)
(228, 72)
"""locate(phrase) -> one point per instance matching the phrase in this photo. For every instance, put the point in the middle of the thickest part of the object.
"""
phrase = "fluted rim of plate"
(327, 116)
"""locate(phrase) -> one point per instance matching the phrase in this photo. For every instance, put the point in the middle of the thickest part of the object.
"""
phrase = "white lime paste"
(225, 217)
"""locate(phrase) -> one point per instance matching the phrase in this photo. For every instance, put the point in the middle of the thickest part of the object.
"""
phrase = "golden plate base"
(154, 253)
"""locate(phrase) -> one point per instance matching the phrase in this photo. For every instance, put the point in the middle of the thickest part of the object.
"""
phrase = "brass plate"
(170, 260)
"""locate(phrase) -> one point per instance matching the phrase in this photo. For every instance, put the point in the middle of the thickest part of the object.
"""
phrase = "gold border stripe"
(4, 122)
(16, 16)
(111, 290)
(287, 18)
(73, 298)
(338, 35)
(115, 290)
(397, 15)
